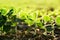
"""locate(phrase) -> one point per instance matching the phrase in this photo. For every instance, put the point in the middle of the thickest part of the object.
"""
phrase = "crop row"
(44, 19)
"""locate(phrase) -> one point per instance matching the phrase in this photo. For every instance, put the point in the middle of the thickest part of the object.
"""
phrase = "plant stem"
(16, 31)
(53, 30)
(45, 29)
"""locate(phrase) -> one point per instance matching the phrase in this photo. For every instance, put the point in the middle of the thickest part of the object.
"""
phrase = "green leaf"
(37, 20)
(32, 16)
(57, 20)
(14, 24)
(40, 24)
(1, 28)
(29, 22)
(23, 16)
(3, 11)
(11, 11)
(42, 27)
(46, 18)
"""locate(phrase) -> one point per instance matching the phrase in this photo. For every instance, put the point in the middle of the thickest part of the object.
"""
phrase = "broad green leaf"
(3, 11)
(46, 18)
(57, 20)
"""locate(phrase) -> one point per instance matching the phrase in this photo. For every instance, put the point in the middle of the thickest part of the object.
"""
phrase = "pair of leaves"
(10, 12)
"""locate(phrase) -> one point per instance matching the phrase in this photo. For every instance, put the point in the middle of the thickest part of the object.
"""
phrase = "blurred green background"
(30, 3)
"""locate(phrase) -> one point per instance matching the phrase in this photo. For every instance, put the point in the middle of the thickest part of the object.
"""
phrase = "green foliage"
(8, 20)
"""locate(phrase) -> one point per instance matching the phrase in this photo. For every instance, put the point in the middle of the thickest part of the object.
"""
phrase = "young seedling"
(46, 19)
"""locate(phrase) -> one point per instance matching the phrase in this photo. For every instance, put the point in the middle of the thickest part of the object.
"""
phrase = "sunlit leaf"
(3, 11)
(57, 20)
(46, 18)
